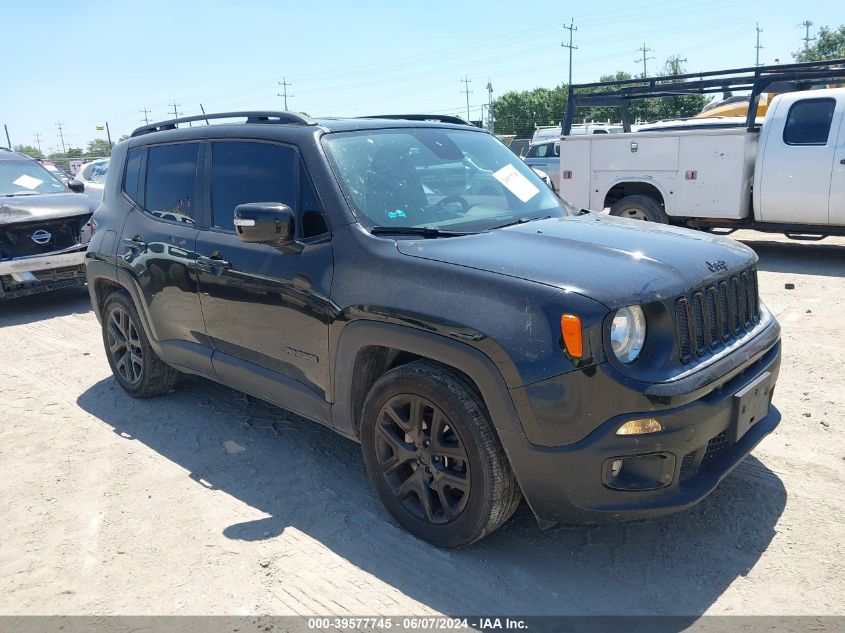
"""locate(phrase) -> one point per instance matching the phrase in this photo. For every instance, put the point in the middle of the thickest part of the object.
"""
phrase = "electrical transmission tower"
(571, 28)
(38, 141)
(62, 137)
(807, 39)
(490, 124)
(645, 58)
(758, 47)
(467, 81)
(284, 84)
(146, 114)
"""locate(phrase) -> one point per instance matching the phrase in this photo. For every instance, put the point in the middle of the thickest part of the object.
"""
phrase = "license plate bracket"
(751, 404)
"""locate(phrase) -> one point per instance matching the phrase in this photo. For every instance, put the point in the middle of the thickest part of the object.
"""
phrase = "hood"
(44, 207)
(613, 260)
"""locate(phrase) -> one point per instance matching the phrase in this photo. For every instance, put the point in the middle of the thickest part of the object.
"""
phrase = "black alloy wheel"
(124, 344)
(422, 459)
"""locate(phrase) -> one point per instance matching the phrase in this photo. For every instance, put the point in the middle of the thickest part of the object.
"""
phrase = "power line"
(758, 47)
(467, 81)
(807, 39)
(61, 136)
(146, 115)
(284, 84)
(645, 58)
(570, 27)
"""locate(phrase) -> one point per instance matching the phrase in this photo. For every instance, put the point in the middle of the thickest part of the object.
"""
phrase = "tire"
(441, 473)
(640, 207)
(134, 364)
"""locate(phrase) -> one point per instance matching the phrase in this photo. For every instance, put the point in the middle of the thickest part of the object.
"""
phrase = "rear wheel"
(434, 457)
(639, 207)
(133, 362)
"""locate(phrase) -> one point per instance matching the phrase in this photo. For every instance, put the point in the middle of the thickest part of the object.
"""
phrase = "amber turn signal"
(570, 327)
(643, 426)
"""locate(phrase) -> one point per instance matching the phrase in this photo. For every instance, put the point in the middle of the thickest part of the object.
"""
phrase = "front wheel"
(434, 457)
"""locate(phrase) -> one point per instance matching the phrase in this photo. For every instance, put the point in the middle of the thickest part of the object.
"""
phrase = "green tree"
(677, 107)
(829, 44)
(521, 113)
(29, 150)
(98, 147)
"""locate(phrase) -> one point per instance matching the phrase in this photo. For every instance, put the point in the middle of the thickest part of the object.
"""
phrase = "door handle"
(216, 261)
(136, 242)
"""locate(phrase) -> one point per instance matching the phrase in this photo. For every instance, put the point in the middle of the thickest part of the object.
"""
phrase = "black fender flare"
(364, 333)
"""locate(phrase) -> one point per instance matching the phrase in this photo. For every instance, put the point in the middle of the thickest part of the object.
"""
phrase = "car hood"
(43, 207)
(612, 260)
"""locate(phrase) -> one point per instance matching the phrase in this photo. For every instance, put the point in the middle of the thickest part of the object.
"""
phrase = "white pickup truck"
(785, 175)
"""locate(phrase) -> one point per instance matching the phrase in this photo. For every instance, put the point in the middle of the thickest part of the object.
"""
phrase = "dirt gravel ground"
(210, 502)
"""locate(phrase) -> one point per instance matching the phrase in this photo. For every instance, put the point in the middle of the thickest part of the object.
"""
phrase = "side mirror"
(75, 186)
(264, 223)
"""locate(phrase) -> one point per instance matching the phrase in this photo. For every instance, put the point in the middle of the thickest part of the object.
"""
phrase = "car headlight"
(627, 333)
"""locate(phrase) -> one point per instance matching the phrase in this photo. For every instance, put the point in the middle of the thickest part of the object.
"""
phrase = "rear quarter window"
(132, 178)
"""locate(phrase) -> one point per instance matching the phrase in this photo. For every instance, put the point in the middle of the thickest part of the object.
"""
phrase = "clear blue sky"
(83, 63)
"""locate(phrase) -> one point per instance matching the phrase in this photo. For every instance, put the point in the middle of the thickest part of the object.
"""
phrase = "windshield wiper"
(21, 193)
(422, 231)
(519, 221)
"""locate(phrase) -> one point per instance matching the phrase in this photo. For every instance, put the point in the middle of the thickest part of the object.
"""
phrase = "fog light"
(615, 468)
(640, 427)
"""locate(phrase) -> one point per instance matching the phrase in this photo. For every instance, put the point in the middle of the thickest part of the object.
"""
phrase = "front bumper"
(59, 259)
(24, 276)
(569, 483)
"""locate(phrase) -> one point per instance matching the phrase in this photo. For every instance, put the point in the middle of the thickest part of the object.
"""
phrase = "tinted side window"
(249, 172)
(532, 152)
(808, 122)
(313, 220)
(133, 173)
(171, 182)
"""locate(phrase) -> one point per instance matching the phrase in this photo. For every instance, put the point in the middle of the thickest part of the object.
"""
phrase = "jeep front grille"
(713, 316)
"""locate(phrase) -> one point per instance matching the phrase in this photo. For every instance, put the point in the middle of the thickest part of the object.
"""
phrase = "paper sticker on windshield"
(27, 182)
(516, 183)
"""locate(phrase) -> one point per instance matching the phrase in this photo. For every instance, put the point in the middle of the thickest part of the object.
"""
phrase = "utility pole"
(146, 115)
(571, 27)
(61, 136)
(807, 39)
(466, 81)
(8, 140)
(108, 136)
(284, 84)
(38, 141)
(175, 105)
(645, 51)
(758, 47)
(490, 124)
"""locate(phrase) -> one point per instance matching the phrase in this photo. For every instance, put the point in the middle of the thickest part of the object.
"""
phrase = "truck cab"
(784, 172)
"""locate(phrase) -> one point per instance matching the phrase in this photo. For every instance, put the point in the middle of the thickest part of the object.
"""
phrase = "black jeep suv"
(412, 284)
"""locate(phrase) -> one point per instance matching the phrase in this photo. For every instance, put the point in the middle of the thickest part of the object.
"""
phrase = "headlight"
(627, 333)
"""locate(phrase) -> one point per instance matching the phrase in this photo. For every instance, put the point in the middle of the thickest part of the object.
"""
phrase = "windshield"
(27, 177)
(454, 180)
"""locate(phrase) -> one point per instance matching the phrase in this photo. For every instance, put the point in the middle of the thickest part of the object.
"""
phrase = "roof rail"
(439, 118)
(280, 117)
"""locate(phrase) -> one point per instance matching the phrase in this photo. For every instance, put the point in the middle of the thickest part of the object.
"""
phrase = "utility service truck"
(781, 172)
